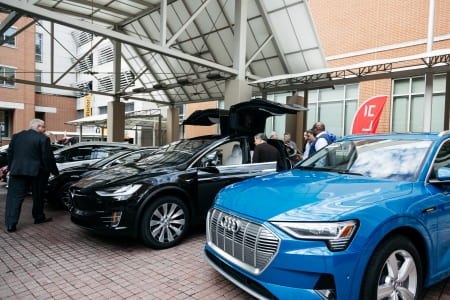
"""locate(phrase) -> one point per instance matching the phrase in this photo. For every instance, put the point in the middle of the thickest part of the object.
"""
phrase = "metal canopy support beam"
(8, 22)
(240, 33)
(24, 6)
(52, 51)
(250, 60)
(16, 33)
(79, 59)
(187, 23)
(266, 20)
(163, 23)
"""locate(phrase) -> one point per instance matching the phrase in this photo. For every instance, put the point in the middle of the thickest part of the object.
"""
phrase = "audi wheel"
(394, 272)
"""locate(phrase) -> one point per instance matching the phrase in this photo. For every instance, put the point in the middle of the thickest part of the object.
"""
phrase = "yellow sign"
(87, 101)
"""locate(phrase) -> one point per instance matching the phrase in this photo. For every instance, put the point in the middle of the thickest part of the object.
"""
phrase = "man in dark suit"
(30, 160)
(264, 152)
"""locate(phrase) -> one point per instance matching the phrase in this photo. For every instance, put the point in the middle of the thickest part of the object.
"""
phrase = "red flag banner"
(368, 115)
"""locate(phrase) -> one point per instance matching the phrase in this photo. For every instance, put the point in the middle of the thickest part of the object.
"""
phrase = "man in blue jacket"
(30, 160)
(323, 138)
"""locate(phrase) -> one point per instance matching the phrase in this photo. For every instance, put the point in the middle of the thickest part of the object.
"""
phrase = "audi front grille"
(247, 244)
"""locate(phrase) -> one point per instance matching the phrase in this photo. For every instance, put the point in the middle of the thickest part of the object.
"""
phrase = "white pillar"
(173, 127)
(236, 91)
(116, 121)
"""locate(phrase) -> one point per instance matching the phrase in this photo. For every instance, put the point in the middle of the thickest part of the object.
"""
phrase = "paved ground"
(58, 260)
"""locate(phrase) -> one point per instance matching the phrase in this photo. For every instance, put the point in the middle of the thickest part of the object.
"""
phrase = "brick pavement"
(58, 260)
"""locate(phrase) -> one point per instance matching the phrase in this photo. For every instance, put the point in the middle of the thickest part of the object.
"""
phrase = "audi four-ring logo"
(230, 223)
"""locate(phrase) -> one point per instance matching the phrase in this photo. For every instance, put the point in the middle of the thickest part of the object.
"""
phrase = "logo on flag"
(368, 115)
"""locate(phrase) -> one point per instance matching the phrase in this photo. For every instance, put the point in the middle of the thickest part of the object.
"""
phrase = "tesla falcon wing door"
(249, 117)
(208, 117)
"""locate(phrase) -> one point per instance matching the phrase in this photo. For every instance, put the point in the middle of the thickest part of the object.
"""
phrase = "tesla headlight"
(337, 235)
(120, 193)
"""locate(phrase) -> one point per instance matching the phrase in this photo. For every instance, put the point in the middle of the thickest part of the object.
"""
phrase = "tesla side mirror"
(442, 175)
(210, 169)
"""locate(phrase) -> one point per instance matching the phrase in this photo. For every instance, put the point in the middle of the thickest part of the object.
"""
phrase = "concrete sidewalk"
(58, 260)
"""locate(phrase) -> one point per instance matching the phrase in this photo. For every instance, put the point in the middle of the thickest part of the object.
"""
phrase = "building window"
(9, 73)
(11, 42)
(129, 106)
(38, 50)
(38, 78)
(278, 123)
(334, 107)
(39, 115)
(5, 117)
(408, 101)
(80, 113)
(102, 110)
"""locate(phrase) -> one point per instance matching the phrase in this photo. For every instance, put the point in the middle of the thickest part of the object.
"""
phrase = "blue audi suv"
(367, 217)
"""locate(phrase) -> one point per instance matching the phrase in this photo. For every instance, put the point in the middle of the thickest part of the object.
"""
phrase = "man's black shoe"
(11, 228)
(43, 220)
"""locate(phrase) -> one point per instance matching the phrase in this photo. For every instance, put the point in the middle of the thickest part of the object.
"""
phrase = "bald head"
(318, 127)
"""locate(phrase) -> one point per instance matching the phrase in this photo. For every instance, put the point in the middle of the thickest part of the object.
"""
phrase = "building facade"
(28, 54)
(356, 31)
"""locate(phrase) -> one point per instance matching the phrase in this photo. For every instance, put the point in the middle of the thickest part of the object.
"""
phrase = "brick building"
(355, 31)
(19, 103)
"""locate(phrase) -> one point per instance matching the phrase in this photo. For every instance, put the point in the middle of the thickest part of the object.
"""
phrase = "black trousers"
(18, 187)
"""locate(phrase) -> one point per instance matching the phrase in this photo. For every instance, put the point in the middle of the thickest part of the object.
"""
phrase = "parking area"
(58, 260)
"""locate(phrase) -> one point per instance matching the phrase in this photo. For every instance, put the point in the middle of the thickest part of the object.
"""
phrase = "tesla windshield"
(383, 159)
(178, 152)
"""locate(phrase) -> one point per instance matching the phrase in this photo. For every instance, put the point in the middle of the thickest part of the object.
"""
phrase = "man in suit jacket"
(30, 160)
(264, 152)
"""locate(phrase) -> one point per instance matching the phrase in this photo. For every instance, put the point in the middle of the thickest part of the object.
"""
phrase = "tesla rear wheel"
(164, 223)
(393, 272)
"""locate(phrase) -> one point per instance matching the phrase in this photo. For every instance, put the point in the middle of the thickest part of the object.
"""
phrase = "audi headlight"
(337, 235)
(121, 193)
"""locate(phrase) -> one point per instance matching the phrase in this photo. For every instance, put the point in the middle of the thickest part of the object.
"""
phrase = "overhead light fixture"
(184, 81)
(218, 76)
(139, 90)
(159, 86)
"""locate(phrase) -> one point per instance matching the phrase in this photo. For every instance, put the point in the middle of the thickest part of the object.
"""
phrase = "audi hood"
(299, 195)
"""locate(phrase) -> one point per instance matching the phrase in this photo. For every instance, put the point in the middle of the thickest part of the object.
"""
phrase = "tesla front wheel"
(394, 272)
(164, 223)
(64, 196)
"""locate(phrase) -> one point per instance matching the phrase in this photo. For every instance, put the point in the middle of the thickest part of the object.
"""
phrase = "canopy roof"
(145, 118)
(182, 50)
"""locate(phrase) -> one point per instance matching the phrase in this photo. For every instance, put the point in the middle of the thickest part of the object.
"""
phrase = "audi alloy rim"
(167, 222)
(398, 278)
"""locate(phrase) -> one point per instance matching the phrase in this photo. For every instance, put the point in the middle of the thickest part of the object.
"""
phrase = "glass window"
(5, 117)
(9, 73)
(38, 78)
(10, 42)
(38, 50)
(437, 117)
(334, 107)
(400, 111)
(439, 82)
(417, 105)
(102, 110)
(401, 86)
(129, 106)
(409, 103)
(418, 85)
